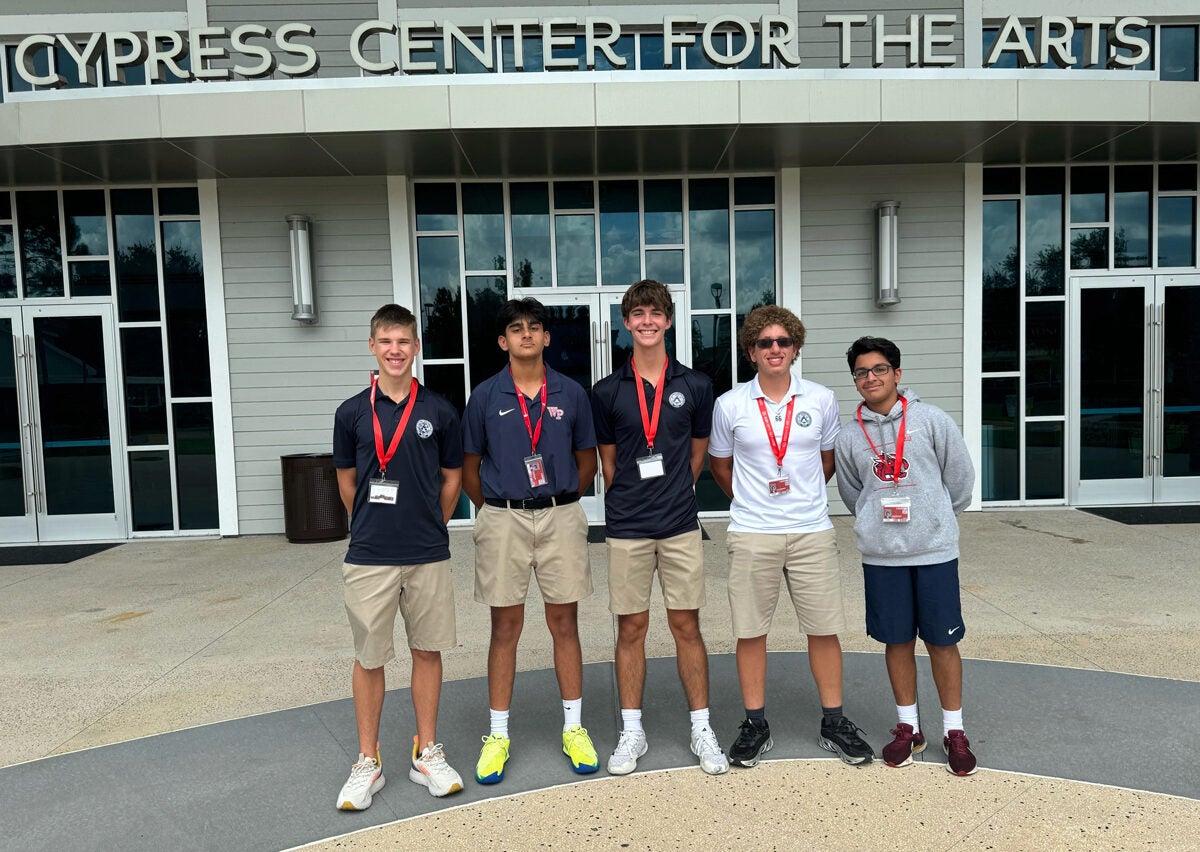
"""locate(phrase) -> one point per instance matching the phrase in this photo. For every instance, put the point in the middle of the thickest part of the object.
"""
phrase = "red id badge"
(536, 468)
(778, 486)
(896, 510)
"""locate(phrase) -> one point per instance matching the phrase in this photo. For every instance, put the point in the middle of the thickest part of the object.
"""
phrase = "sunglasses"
(767, 342)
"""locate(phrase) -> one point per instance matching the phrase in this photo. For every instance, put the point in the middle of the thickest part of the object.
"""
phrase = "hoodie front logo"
(884, 466)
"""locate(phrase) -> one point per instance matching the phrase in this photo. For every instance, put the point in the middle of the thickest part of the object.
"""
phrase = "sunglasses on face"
(767, 342)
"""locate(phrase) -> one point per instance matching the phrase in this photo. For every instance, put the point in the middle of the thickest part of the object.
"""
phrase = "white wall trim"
(218, 353)
(197, 13)
(1071, 8)
(972, 33)
(973, 320)
(790, 294)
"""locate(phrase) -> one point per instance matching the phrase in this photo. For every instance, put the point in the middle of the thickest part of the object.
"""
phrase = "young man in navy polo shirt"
(530, 453)
(398, 453)
(772, 452)
(653, 416)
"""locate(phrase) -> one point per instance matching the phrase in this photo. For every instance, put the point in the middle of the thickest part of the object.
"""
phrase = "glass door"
(18, 490)
(1177, 389)
(71, 452)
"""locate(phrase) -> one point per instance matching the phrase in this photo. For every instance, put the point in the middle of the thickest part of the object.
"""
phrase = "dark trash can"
(312, 507)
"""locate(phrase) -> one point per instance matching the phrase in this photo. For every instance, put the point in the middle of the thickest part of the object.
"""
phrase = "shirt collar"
(756, 391)
(674, 368)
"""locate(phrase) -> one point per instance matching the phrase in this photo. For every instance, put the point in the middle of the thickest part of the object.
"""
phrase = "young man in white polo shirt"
(771, 451)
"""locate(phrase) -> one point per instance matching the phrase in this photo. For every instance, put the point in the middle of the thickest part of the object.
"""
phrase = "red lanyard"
(650, 425)
(384, 458)
(779, 448)
(897, 467)
(534, 434)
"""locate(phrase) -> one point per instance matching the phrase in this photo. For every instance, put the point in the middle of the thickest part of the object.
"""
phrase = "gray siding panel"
(286, 380)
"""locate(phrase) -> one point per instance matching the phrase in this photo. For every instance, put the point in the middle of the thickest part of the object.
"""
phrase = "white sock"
(631, 720)
(907, 713)
(499, 719)
(952, 720)
(572, 713)
(699, 719)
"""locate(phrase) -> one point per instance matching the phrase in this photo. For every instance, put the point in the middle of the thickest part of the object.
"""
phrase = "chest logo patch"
(554, 411)
(424, 428)
(677, 400)
(804, 419)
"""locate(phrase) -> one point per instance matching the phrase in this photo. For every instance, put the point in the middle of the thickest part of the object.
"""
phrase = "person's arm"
(608, 462)
(958, 474)
(699, 449)
(347, 479)
(827, 463)
(722, 471)
(849, 484)
(585, 464)
(451, 487)
(471, 482)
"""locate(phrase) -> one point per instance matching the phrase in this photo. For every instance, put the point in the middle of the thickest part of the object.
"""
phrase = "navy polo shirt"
(412, 531)
(666, 505)
(494, 429)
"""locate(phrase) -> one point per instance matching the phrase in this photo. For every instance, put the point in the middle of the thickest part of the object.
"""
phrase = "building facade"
(1043, 158)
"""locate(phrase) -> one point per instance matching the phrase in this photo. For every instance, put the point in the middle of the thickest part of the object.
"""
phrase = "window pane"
(1043, 461)
(179, 201)
(754, 244)
(1181, 392)
(1176, 176)
(150, 490)
(531, 50)
(1089, 248)
(145, 388)
(41, 251)
(1177, 53)
(437, 207)
(624, 47)
(1176, 232)
(87, 224)
(485, 297)
(1006, 181)
(570, 350)
(1131, 208)
(466, 63)
(575, 249)
(195, 466)
(1111, 383)
(1089, 194)
(8, 264)
(187, 321)
(754, 190)
(6, 204)
(664, 212)
(12, 433)
(712, 350)
(652, 54)
(137, 260)
(573, 195)
(1001, 296)
(1146, 33)
(665, 266)
(1000, 462)
(1044, 358)
(89, 278)
(530, 204)
(447, 379)
(483, 225)
(620, 238)
(708, 237)
(1044, 232)
(441, 300)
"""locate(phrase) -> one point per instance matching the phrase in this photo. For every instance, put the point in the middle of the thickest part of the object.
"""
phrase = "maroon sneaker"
(959, 758)
(899, 751)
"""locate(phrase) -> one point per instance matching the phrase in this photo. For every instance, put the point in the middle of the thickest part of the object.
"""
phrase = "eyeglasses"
(767, 342)
(877, 370)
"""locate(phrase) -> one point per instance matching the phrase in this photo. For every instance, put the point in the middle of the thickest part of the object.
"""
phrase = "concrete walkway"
(155, 637)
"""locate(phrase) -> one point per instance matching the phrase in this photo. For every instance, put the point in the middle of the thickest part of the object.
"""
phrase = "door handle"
(606, 350)
(35, 454)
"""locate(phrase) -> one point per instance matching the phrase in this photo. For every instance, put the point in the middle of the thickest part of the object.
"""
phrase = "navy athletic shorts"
(907, 601)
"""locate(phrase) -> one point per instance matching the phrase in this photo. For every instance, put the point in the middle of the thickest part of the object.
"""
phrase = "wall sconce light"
(887, 280)
(304, 296)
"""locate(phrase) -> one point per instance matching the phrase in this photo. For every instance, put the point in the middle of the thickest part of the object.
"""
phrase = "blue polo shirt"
(666, 505)
(412, 531)
(494, 429)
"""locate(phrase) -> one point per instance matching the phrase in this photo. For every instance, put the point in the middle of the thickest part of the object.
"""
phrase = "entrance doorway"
(61, 472)
(1135, 394)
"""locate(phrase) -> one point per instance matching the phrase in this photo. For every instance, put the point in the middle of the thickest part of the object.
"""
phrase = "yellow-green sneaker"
(577, 746)
(492, 757)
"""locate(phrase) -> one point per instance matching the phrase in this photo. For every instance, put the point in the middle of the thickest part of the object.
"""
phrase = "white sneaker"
(704, 746)
(630, 747)
(366, 779)
(431, 770)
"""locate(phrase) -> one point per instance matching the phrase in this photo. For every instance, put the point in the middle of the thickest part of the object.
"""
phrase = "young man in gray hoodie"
(904, 471)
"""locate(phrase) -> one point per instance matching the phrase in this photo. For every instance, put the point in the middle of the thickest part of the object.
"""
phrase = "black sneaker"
(753, 741)
(842, 738)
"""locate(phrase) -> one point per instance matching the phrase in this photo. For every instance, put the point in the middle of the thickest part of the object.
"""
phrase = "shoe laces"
(901, 734)
(362, 773)
(572, 736)
(958, 742)
(747, 734)
(850, 731)
(706, 739)
(433, 757)
(627, 744)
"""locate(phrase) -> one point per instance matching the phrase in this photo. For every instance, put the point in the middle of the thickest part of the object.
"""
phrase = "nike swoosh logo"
(951, 632)
(509, 411)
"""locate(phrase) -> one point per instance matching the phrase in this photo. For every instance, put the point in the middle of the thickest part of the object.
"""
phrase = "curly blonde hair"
(761, 317)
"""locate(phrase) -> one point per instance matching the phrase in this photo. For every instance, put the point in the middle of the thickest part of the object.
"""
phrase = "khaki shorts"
(424, 596)
(550, 542)
(809, 565)
(631, 564)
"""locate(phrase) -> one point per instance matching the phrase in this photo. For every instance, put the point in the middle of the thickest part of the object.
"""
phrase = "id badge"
(896, 510)
(383, 491)
(778, 486)
(651, 466)
(536, 468)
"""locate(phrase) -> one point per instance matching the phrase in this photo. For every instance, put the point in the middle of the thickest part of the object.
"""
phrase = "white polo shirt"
(738, 431)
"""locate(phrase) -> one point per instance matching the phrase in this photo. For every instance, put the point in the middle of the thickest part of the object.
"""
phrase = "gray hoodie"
(937, 478)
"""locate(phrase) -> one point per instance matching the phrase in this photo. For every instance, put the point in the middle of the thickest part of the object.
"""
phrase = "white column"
(973, 319)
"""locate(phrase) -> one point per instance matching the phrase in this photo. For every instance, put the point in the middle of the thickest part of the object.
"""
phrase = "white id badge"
(383, 491)
(778, 486)
(651, 466)
(895, 509)
(536, 468)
